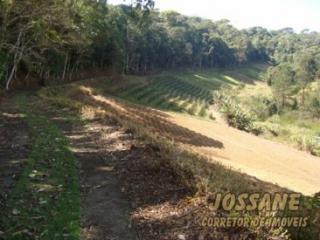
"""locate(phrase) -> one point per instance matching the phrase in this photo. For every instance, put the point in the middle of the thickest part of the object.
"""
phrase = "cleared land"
(183, 100)
(264, 159)
(175, 157)
(269, 161)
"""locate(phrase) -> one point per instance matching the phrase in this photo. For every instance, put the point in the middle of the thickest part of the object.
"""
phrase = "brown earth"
(128, 189)
(99, 145)
(266, 160)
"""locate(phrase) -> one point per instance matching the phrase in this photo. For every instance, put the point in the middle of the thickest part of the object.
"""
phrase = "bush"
(313, 106)
(269, 127)
(203, 111)
(302, 138)
(236, 115)
(262, 107)
(306, 142)
(193, 109)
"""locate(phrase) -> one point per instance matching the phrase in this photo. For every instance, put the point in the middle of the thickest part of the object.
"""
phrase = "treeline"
(295, 78)
(56, 39)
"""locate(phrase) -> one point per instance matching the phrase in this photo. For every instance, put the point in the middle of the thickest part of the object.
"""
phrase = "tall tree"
(306, 71)
(282, 83)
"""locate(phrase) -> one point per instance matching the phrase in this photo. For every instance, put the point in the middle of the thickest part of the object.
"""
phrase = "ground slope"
(269, 161)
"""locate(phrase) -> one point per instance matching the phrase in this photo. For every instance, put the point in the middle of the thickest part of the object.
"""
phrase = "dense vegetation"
(56, 40)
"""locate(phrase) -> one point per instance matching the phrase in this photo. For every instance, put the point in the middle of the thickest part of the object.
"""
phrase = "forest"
(54, 40)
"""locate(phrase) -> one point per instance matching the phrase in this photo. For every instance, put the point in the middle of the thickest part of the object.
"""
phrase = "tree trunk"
(65, 67)
(16, 60)
(303, 96)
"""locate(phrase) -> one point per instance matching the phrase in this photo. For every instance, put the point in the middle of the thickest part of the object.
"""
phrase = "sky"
(271, 14)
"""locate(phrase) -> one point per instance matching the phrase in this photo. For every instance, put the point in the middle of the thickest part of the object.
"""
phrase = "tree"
(282, 83)
(57, 39)
(35, 30)
(144, 4)
(305, 72)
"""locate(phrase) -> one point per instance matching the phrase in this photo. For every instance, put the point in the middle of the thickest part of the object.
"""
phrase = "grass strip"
(45, 203)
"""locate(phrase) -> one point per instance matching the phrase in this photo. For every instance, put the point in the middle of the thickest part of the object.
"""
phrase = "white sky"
(271, 14)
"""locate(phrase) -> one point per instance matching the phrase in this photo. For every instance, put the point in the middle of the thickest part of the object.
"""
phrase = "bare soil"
(98, 144)
(266, 160)
(125, 183)
(129, 191)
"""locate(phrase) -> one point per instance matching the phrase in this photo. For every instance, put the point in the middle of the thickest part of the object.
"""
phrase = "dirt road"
(266, 160)
(269, 161)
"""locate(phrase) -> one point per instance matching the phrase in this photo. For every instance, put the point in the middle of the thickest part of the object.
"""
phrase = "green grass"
(168, 92)
(294, 127)
(251, 72)
(188, 91)
(45, 203)
(194, 85)
(297, 119)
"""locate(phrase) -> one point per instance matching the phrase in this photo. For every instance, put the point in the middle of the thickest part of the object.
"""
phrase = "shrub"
(269, 127)
(306, 142)
(262, 107)
(313, 106)
(236, 115)
(203, 111)
(193, 109)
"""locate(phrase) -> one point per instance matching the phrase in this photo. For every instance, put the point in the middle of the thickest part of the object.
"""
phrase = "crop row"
(172, 94)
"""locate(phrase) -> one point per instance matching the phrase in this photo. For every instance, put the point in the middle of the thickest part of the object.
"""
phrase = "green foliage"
(235, 114)
(57, 39)
(306, 69)
(261, 107)
(314, 105)
(45, 203)
(203, 111)
(297, 130)
(305, 141)
(282, 83)
(312, 100)
(65, 37)
(172, 92)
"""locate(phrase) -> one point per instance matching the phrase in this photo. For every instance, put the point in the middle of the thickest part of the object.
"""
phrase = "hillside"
(185, 115)
(158, 140)
(131, 122)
